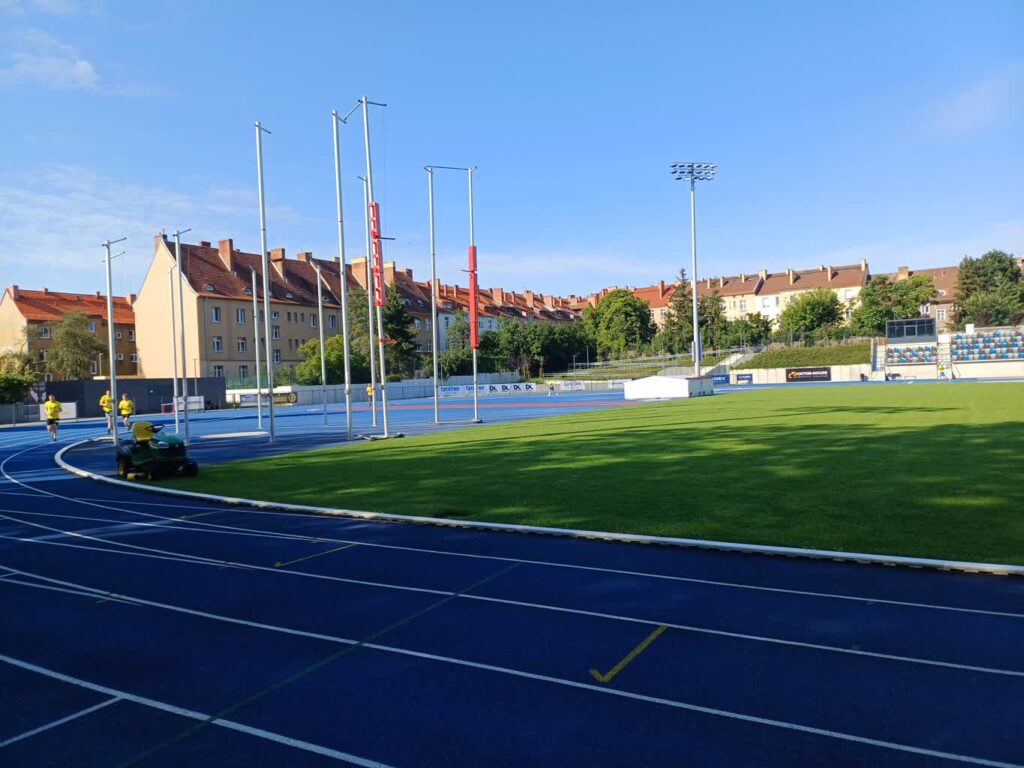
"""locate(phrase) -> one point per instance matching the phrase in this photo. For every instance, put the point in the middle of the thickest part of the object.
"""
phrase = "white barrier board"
(462, 390)
(68, 411)
(661, 387)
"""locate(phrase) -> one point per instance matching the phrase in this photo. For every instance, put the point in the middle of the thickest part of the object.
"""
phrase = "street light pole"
(181, 321)
(174, 353)
(434, 339)
(344, 276)
(694, 172)
(320, 325)
(266, 278)
(110, 327)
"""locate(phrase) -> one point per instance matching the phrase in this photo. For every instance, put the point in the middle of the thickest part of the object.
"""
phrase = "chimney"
(99, 295)
(277, 261)
(661, 288)
(337, 260)
(204, 243)
(903, 273)
(708, 281)
(45, 290)
(863, 265)
(830, 275)
(305, 256)
(15, 293)
(528, 296)
(743, 277)
(225, 249)
(407, 272)
(132, 298)
(721, 282)
(789, 273)
(549, 301)
(499, 295)
(821, 267)
(763, 274)
(389, 272)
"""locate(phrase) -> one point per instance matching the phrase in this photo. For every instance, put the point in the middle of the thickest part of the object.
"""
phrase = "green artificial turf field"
(930, 470)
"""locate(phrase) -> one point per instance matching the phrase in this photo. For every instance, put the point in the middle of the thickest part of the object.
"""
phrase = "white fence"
(68, 412)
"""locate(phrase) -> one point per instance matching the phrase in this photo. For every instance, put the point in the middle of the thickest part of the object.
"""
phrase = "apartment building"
(27, 318)
(945, 279)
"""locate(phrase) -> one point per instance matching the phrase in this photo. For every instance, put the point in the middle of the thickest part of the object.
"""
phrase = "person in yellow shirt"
(107, 404)
(53, 409)
(369, 391)
(126, 408)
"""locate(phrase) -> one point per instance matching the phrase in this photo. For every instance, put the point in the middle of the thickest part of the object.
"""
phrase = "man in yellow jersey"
(53, 409)
(107, 404)
(369, 391)
(126, 408)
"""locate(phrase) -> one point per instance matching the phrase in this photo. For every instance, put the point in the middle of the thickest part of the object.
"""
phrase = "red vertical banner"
(377, 255)
(474, 301)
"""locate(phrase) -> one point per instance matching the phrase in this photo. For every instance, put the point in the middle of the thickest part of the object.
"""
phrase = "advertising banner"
(460, 390)
(821, 373)
(744, 378)
(720, 378)
(572, 386)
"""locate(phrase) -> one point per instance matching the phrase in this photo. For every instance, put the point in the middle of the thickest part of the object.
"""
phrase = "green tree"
(399, 331)
(882, 299)
(990, 290)
(457, 359)
(677, 335)
(813, 311)
(308, 371)
(72, 347)
(750, 330)
(713, 325)
(14, 385)
(621, 323)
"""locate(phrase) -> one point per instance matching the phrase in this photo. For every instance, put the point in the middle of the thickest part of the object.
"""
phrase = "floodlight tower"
(694, 172)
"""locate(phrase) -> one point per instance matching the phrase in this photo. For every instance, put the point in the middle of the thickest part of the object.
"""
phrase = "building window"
(743, 305)
(332, 321)
(848, 294)
(446, 319)
(664, 313)
(849, 313)
(277, 356)
(240, 344)
(133, 358)
(302, 319)
(430, 346)
(289, 317)
(218, 371)
(44, 332)
(940, 314)
(240, 316)
(42, 355)
(131, 334)
(215, 314)
(120, 357)
(276, 332)
(312, 320)
(791, 300)
(243, 371)
(218, 344)
(766, 302)
(92, 327)
(275, 315)
(93, 367)
(118, 335)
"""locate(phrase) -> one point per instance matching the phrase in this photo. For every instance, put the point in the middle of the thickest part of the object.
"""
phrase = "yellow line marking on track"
(607, 678)
(107, 598)
(279, 564)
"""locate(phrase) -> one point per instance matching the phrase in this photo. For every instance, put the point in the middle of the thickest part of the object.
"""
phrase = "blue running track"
(137, 629)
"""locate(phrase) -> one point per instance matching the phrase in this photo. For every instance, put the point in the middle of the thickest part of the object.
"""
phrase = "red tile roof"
(49, 306)
(848, 276)
(944, 278)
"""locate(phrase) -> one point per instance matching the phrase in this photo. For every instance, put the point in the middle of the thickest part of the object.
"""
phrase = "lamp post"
(110, 326)
(694, 172)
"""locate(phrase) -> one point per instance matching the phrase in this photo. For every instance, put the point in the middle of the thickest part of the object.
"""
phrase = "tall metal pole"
(380, 320)
(344, 277)
(181, 322)
(110, 331)
(174, 352)
(693, 275)
(266, 279)
(256, 338)
(320, 325)
(434, 339)
(473, 297)
(369, 307)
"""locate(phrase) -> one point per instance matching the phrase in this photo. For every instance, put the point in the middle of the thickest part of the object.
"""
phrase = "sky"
(887, 131)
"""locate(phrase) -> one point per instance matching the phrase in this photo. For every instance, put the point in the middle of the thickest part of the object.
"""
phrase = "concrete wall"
(778, 375)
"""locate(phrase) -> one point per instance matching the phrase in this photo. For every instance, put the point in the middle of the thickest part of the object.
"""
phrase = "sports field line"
(676, 704)
(61, 721)
(194, 715)
(554, 609)
(204, 526)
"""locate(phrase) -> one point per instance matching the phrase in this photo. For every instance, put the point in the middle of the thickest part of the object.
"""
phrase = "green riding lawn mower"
(150, 455)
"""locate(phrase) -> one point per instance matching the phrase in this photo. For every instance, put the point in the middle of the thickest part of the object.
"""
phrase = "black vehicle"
(152, 455)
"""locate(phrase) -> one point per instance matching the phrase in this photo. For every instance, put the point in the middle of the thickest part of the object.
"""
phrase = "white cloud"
(989, 102)
(55, 219)
(37, 56)
(52, 7)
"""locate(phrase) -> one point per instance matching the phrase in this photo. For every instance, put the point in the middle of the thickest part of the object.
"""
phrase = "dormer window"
(208, 287)
(247, 291)
(289, 295)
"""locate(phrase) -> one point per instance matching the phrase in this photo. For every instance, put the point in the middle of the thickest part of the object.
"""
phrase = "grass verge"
(793, 357)
(927, 470)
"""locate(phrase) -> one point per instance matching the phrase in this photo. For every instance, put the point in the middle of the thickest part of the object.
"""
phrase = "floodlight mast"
(110, 326)
(694, 172)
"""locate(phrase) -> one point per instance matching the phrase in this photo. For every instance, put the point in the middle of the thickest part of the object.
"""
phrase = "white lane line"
(640, 574)
(715, 712)
(56, 723)
(206, 526)
(973, 668)
(194, 715)
(103, 596)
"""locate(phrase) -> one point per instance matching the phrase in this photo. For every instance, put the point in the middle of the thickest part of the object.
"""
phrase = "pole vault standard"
(474, 291)
(256, 339)
(343, 294)
(369, 307)
(260, 130)
(320, 325)
(174, 353)
(107, 259)
(181, 323)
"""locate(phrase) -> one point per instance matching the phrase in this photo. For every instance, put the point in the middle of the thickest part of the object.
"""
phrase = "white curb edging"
(632, 538)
